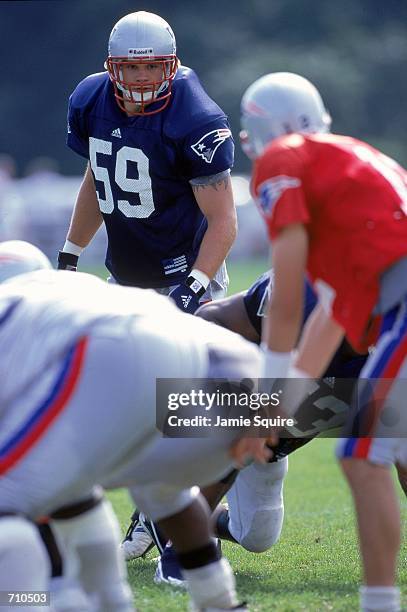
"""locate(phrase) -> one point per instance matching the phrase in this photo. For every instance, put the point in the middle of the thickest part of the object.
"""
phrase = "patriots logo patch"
(207, 145)
(271, 191)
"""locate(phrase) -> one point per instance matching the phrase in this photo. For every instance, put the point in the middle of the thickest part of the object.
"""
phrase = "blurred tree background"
(355, 51)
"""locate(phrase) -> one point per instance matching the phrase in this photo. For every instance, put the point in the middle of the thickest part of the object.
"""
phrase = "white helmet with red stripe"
(139, 39)
(19, 257)
(280, 103)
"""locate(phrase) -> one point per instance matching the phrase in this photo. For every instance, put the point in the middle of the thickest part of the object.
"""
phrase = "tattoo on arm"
(216, 185)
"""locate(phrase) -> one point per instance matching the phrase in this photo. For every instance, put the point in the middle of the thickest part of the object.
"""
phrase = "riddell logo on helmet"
(140, 52)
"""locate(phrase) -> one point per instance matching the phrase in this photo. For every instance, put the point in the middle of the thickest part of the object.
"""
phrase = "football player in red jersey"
(336, 209)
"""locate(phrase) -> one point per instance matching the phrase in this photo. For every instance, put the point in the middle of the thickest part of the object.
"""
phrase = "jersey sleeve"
(256, 298)
(77, 138)
(278, 188)
(208, 150)
(258, 295)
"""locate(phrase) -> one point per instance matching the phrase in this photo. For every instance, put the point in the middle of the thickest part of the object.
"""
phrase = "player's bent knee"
(256, 506)
(265, 530)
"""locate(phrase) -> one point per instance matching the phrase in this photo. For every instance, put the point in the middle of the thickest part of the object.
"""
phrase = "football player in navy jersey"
(160, 152)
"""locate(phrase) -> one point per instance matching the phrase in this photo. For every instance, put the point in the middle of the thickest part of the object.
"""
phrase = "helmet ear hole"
(304, 122)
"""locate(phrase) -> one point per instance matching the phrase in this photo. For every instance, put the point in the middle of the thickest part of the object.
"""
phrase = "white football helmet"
(19, 257)
(280, 103)
(142, 38)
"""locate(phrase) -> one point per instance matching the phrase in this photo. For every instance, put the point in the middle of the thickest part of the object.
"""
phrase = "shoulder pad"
(191, 107)
(88, 89)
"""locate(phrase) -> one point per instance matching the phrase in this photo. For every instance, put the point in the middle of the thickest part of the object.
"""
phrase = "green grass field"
(243, 273)
(315, 565)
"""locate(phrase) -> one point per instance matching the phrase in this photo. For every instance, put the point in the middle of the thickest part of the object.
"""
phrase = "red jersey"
(352, 200)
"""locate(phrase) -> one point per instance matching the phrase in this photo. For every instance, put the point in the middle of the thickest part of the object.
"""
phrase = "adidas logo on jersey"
(185, 300)
(116, 133)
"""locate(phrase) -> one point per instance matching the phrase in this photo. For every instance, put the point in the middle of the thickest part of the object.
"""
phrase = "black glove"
(187, 295)
(67, 261)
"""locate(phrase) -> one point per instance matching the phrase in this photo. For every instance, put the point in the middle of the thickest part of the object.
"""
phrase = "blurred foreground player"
(336, 208)
(78, 349)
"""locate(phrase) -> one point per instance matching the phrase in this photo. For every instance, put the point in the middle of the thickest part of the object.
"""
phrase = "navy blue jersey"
(345, 363)
(142, 167)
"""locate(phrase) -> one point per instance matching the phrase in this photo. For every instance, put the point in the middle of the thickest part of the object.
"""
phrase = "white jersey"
(44, 313)
(53, 309)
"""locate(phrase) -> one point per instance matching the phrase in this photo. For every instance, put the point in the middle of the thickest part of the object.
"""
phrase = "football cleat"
(137, 541)
(151, 528)
(168, 569)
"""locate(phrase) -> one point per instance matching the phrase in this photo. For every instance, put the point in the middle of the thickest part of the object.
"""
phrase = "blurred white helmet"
(280, 103)
(19, 257)
(142, 38)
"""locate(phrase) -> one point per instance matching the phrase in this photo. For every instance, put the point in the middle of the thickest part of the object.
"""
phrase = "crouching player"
(77, 399)
(255, 512)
